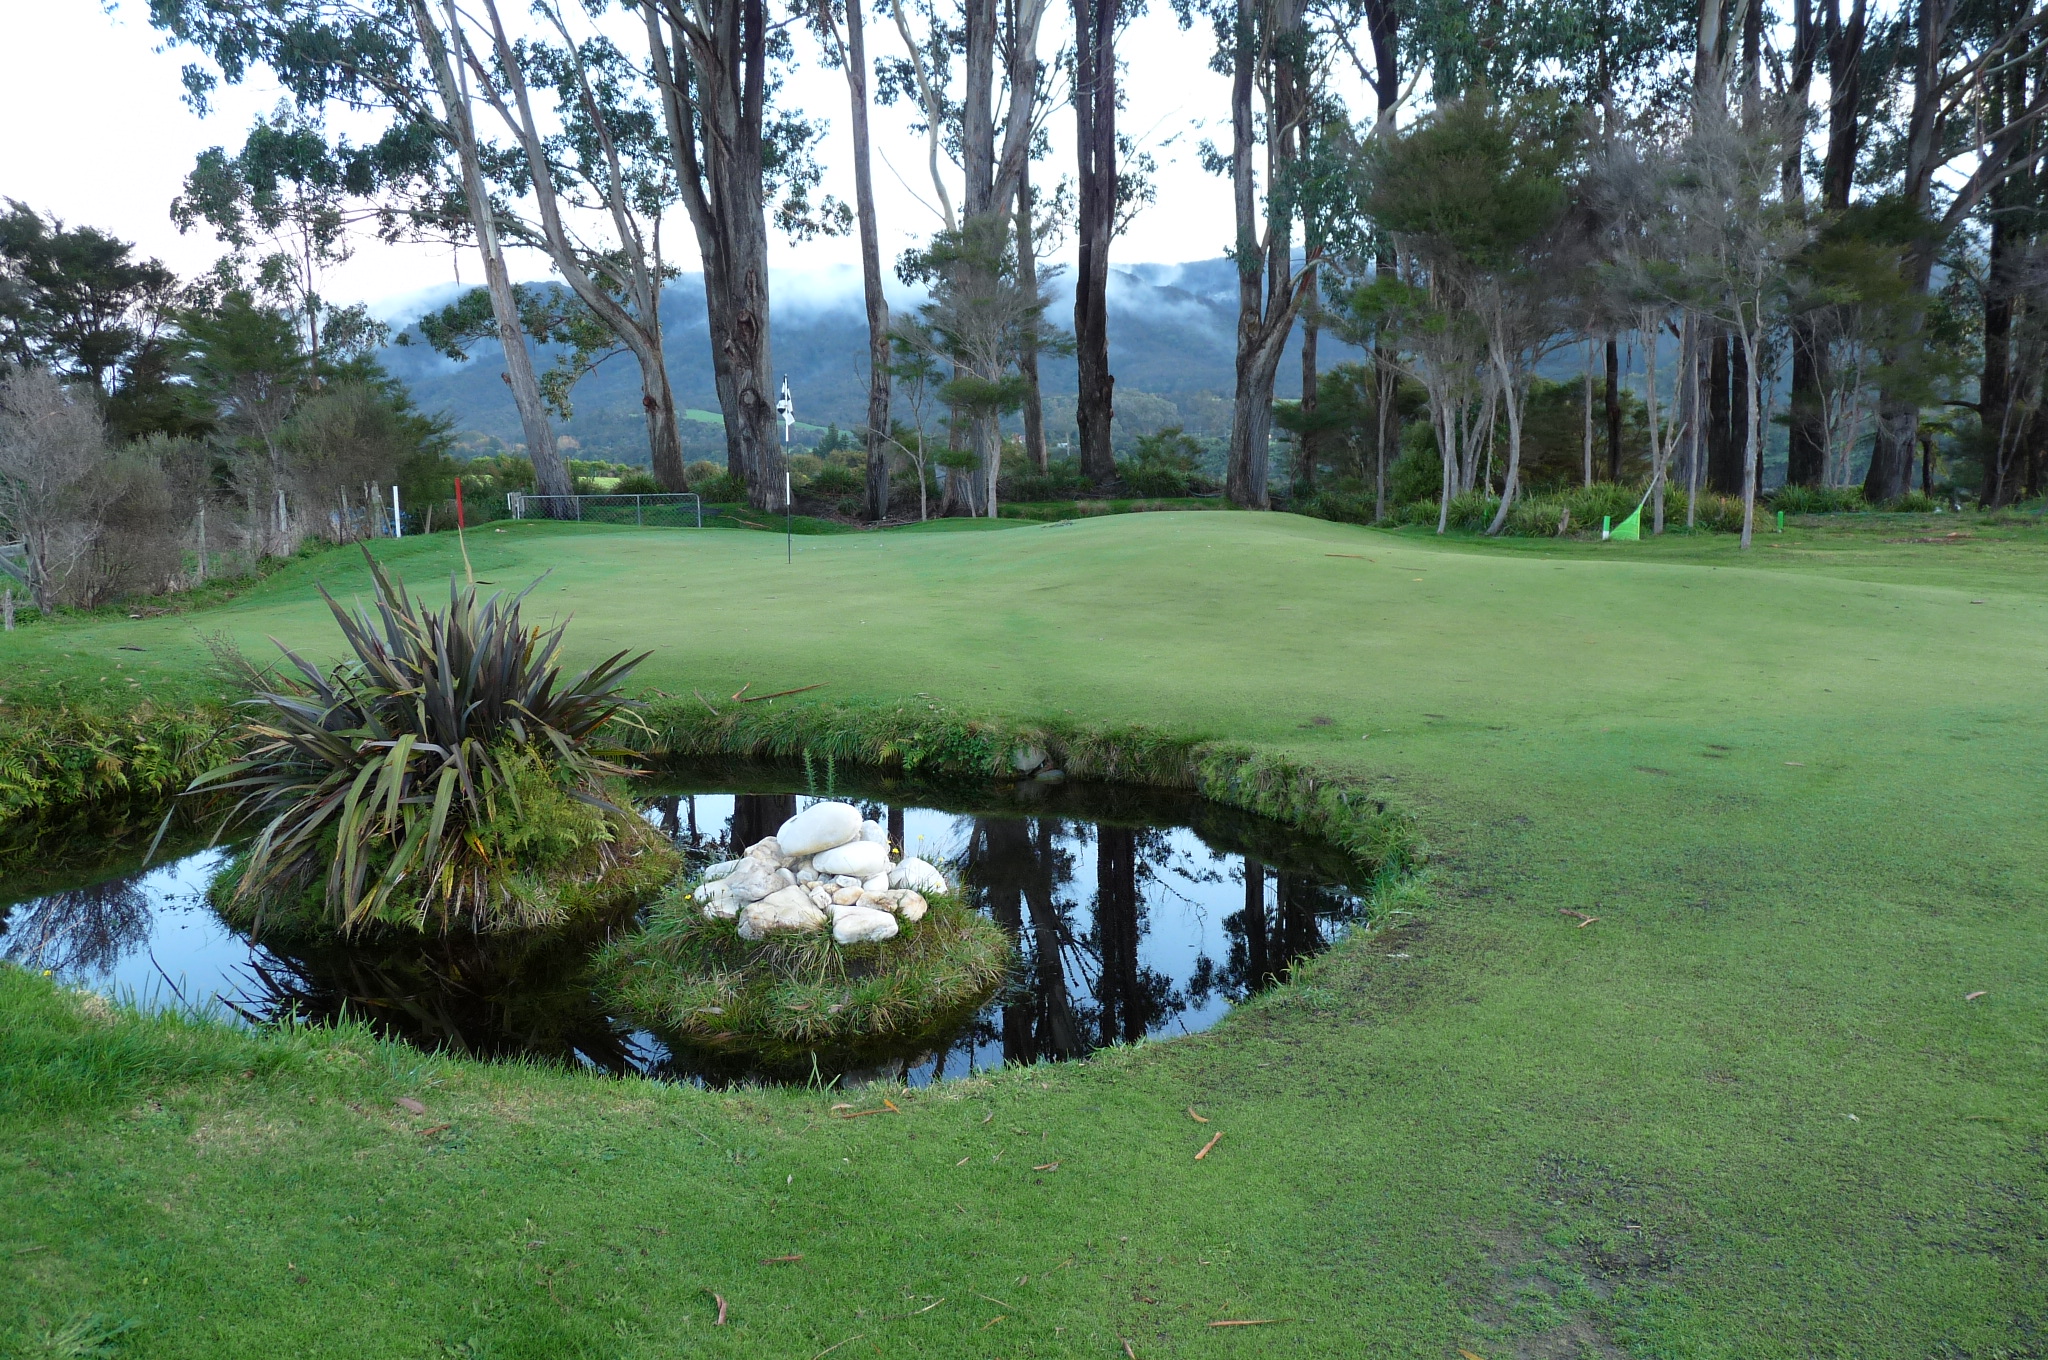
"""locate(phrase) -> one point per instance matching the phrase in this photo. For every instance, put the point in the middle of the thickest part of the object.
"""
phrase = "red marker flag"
(458, 503)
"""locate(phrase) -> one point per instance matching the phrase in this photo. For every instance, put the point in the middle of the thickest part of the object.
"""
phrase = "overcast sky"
(99, 135)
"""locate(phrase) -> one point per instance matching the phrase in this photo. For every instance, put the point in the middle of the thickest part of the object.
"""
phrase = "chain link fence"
(661, 510)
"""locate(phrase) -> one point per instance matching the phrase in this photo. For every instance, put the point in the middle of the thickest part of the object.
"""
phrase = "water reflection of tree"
(1079, 987)
(496, 996)
(80, 930)
(1267, 940)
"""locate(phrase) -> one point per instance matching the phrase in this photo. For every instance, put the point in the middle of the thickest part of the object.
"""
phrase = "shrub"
(1163, 463)
(1818, 500)
(1913, 503)
(833, 480)
(442, 773)
(637, 482)
(1061, 481)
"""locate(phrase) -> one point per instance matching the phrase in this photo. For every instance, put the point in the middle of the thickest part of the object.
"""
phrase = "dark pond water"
(1137, 915)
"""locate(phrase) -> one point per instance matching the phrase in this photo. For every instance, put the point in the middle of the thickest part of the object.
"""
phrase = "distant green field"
(1746, 1112)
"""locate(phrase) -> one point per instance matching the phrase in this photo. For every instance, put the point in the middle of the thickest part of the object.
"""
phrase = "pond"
(1137, 914)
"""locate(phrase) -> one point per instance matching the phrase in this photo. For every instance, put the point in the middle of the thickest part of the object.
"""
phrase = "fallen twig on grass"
(718, 1298)
(1974, 995)
(836, 1345)
(1584, 920)
(1359, 556)
(706, 702)
(757, 698)
(742, 689)
(1049, 1166)
(1247, 1322)
(437, 1128)
(408, 1103)
(1197, 1118)
(782, 1260)
(1128, 1352)
(886, 1107)
(993, 1321)
(1211, 1143)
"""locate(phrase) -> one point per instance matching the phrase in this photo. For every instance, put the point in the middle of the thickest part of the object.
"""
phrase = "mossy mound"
(693, 981)
(553, 862)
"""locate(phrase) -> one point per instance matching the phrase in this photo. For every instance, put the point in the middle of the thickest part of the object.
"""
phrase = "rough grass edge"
(923, 739)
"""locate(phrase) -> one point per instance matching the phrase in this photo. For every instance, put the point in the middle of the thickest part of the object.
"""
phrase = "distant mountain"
(1171, 338)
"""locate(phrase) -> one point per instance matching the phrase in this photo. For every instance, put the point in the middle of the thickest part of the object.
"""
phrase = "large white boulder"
(862, 925)
(819, 827)
(856, 859)
(912, 906)
(876, 883)
(755, 879)
(721, 870)
(784, 911)
(768, 848)
(915, 873)
(874, 831)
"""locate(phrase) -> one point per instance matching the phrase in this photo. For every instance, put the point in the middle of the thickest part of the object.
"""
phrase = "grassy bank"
(1797, 789)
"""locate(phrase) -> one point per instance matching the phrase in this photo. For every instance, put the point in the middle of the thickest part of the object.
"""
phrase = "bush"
(1163, 463)
(444, 773)
(637, 482)
(1913, 503)
(1061, 481)
(1818, 500)
(713, 483)
(833, 480)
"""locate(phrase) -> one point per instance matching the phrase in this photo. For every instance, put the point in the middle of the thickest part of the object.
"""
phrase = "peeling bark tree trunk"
(1027, 362)
(1269, 293)
(1095, 151)
(710, 64)
(855, 60)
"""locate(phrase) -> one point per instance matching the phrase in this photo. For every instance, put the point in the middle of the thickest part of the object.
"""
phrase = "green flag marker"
(1632, 527)
(1781, 521)
(1606, 527)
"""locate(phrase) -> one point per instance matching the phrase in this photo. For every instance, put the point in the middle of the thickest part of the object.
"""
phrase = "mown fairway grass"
(1747, 1112)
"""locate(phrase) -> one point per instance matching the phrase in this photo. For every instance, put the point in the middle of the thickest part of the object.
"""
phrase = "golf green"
(1744, 1110)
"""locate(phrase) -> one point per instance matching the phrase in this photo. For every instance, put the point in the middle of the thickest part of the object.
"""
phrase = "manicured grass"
(1746, 1112)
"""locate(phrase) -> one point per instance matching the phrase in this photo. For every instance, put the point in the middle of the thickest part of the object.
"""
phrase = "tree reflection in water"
(1087, 977)
(79, 930)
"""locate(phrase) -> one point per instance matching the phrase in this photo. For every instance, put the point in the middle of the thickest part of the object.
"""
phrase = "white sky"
(121, 141)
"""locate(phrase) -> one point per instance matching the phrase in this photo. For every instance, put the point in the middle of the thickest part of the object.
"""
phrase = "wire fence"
(661, 510)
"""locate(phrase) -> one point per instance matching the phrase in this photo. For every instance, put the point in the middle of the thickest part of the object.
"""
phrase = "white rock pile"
(823, 865)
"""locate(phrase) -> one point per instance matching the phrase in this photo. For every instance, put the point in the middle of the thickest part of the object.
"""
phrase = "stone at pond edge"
(874, 831)
(785, 911)
(862, 925)
(719, 904)
(819, 827)
(769, 849)
(860, 859)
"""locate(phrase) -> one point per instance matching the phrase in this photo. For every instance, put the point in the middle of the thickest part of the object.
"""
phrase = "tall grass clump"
(443, 775)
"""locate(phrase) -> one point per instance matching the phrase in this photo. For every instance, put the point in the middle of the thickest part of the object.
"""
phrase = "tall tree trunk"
(1095, 219)
(1027, 360)
(1724, 451)
(855, 60)
(1269, 292)
(1994, 386)
(1807, 425)
(710, 65)
(1613, 408)
(550, 473)
(1308, 399)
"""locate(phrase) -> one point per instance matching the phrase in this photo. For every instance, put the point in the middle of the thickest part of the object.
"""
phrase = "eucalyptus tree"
(987, 122)
(1957, 146)
(608, 161)
(398, 58)
(714, 65)
(297, 201)
(851, 55)
(1097, 25)
(1476, 194)
(1276, 106)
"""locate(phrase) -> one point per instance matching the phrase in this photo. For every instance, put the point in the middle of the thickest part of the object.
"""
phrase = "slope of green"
(1747, 1111)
